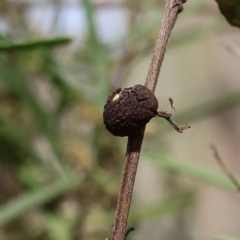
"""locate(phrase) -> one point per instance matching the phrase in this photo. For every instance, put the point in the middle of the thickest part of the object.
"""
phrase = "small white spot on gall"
(116, 96)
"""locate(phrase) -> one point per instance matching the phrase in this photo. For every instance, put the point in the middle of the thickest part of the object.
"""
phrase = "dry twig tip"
(167, 116)
(224, 168)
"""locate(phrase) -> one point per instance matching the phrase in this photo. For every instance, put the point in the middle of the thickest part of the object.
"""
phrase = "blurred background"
(60, 170)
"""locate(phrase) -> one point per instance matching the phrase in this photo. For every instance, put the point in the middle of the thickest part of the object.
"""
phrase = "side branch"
(224, 168)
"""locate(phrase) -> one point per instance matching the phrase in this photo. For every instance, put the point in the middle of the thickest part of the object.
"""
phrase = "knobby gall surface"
(128, 110)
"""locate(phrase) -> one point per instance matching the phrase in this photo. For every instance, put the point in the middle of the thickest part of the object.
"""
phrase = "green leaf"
(168, 206)
(10, 132)
(13, 78)
(98, 55)
(31, 199)
(68, 92)
(226, 238)
(29, 177)
(33, 44)
(59, 228)
(209, 108)
(194, 170)
(92, 30)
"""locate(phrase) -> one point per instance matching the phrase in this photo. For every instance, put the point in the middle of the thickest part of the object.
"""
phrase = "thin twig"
(168, 115)
(173, 109)
(130, 229)
(172, 9)
(224, 168)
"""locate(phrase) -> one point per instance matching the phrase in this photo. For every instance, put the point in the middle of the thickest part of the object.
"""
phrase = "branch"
(172, 9)
(224, 168)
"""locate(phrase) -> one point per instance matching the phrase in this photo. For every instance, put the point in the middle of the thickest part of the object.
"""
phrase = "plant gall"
(128, 110)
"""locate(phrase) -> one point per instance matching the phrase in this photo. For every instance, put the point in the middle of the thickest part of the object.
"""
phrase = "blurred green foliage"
(60, 169)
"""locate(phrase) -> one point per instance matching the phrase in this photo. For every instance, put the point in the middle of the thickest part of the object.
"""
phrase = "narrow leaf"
(194, 170)
(33, 44)
(35, 198)
(168, 206)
